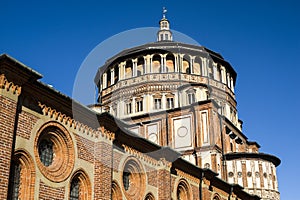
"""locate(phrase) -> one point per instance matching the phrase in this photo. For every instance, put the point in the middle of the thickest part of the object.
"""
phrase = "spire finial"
(164, 12)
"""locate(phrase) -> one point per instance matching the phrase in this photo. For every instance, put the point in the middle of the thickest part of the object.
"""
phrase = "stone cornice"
(9, 86)
(68, 121)
(140, 155)
(187, 176)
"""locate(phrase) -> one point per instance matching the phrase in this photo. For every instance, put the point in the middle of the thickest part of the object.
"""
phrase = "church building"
(165, 126)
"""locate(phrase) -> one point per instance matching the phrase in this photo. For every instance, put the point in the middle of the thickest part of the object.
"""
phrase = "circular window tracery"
(133, 179)
(54, 151)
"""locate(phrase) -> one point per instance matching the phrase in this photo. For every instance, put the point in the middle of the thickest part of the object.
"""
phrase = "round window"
(239, 174)
(257, 174)
(230, 174)
(54, 151)
(249, 174)
(133, 179)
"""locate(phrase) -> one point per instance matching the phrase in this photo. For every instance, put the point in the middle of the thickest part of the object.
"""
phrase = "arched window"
(22, 177)
(108, 78)
(128, 69)
(15, 181)
(80, 186)
(74, 189)
(183, 191)
(149, 196)
(156, 64)
(186, 65)
(216, 197)
(140, 66)
(116, 191)
(170, 63)
(116, 77)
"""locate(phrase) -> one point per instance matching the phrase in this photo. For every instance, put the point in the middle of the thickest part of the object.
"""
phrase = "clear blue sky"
(260, 38)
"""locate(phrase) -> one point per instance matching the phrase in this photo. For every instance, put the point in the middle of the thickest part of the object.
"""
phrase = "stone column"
(231, 83)
(192, 59)
(180, 62)
(223, 74)
(163, 101)
(104, 80)
(150, 66)
(133, 105)
(175, 62)
(146, 63)
(228, 80)
(112, 76)
(134, 67)
(120, 71)
(204, 67)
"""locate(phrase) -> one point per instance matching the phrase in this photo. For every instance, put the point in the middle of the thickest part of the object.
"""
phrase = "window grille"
(126, 180)
(46, 152)
(74, 190)
(15, 181)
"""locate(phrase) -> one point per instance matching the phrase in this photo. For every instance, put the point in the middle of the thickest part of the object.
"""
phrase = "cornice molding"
(72, 123)
(140, 155)
(187, 176)
(9, 86)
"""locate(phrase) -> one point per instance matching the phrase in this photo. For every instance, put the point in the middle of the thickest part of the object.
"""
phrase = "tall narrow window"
(139, 105)
(191, 98)
(183, 191)
(170, 102)
(157, 104)
(15, 181)
(166, 37)
(74, 190)
(80, 187)
(128, 108)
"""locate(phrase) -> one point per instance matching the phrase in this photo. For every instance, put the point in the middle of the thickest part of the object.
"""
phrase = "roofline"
(271, 158)
(8, 58)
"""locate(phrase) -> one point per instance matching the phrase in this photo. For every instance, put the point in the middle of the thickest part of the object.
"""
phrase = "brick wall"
(164, 181)
(7, 121)
(85, 148)
(50, 193)
(103, 170)
(25, 124)
(152, 176)
(116, 161)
